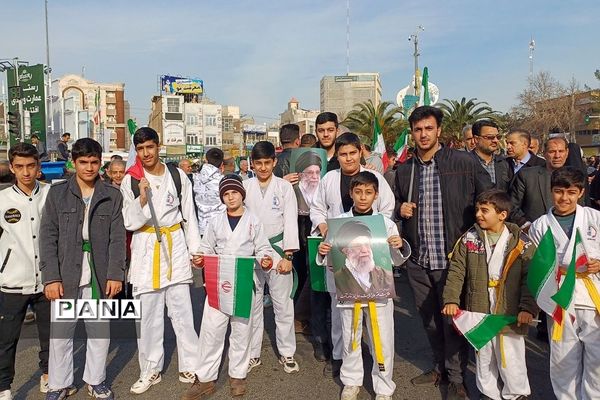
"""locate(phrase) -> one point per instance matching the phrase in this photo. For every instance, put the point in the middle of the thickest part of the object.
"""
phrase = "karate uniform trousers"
(150, 342)
(351, 373)
(60, 361)
(280, 289)
(212, 341)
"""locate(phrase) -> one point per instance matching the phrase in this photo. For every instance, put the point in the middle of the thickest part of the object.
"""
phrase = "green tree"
(362, 118)
(457, 114)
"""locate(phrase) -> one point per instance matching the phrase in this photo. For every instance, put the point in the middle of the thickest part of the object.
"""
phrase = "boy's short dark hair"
(346, 139)
(364, 178)
(496, 197)
(288, 133)
(262, 150)
(144, 134)
(325, 117)
(215, 157)
(566, 177)
(423, 112)
(86, 147)
(65, 134)
(23, 150)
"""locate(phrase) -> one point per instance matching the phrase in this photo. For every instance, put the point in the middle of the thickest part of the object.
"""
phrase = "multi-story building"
(167, 119)
(230, 115)
(86, 108)
(339, 94)
(305, 119)
(578, 113)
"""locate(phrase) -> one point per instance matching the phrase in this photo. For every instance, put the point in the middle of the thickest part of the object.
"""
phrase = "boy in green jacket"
(489, 268)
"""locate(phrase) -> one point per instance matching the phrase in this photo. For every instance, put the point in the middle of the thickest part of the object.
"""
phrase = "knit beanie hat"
(231, 182)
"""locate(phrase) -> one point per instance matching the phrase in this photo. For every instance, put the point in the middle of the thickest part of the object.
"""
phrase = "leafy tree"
(457, 114)
(361, 121)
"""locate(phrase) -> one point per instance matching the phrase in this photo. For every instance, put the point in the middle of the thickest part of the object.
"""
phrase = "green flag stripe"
(317, 273)
(541, 267)
(487, 328)
(244, 281)
(565, 293)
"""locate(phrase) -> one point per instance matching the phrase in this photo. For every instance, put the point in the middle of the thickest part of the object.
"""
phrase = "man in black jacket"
(289, 136)
(435, 192)
(487, 138)
(327, 128)
(530, 192)
(63, 148)
(519, 155)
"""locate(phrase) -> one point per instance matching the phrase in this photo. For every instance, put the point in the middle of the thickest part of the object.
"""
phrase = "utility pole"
(348, 37)
(415, 39)
(531, 49)
(49, 77)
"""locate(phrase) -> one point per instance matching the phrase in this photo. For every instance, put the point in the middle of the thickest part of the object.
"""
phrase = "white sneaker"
(289, 364)
(383, 397)
(5, 395)
(145, 382)
(44, 388)
(350, 393)
(254, 362)
(187, 377)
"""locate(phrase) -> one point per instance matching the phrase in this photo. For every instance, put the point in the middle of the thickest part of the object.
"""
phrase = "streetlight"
(415, 39)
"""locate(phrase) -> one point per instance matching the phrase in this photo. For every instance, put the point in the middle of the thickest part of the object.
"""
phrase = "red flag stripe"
(211, 280)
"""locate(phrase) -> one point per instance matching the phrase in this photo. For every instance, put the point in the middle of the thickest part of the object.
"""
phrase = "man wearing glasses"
(487, 139)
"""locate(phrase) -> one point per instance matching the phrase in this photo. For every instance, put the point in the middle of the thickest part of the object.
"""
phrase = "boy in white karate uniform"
(272, 199)
(160, 272)
(364, 188)
(575, 357)
(491, 259)
(234, 232)
(332, 199)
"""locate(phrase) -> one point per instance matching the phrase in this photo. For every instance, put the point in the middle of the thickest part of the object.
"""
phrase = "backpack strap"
(173, 170)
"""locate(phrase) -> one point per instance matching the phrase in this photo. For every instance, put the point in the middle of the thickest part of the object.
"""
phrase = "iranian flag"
(134, 165)
(479, 328)
(544, 276)
(401, 146)
(229, 284)
(378, 144)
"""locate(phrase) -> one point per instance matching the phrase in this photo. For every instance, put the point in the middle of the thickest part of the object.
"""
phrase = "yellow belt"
(374, 329)
(166, 231)
(493, 283)
(592, 291)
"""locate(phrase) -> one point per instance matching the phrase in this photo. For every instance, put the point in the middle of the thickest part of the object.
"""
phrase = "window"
(211, 120)
(210, 141)
(172, 105)
(192, 120)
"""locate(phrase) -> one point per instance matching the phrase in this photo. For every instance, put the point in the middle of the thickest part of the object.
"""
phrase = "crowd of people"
(463, 222)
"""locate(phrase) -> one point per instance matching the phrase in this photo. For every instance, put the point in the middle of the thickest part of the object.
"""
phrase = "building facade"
(86, 108)
(305, 119)
(339, 94)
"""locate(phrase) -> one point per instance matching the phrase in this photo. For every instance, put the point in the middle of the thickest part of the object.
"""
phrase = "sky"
(258, 54)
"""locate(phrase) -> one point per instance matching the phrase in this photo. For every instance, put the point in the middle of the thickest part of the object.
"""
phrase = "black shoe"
(456, 391)
(332, 368)
(427, 378)
(320, 352)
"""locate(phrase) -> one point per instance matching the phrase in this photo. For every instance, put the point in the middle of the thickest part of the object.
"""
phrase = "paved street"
(269, 381)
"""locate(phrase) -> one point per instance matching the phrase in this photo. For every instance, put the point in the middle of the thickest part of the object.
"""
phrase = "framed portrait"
(361, 259)
(311, 165)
